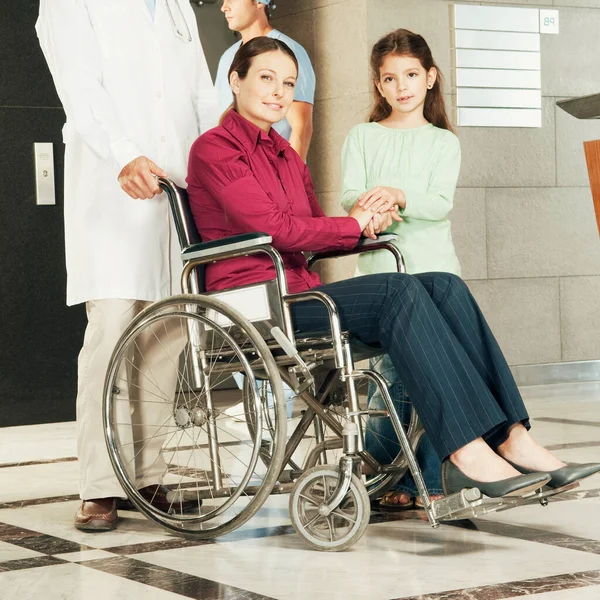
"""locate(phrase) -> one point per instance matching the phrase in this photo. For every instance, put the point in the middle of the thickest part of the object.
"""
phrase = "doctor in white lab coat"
(137, 92)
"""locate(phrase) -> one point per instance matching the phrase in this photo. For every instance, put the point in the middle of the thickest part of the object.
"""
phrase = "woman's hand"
(362, 215)
(374, 226)
(381, 199)
(380, 222)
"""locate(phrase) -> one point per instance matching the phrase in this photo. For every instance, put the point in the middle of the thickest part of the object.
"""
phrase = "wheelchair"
(217, 432)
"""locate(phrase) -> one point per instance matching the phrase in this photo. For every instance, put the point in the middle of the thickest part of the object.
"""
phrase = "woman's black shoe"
(454, 480)
(565, 475)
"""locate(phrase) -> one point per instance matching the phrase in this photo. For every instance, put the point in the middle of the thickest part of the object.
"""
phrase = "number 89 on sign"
(548, 21)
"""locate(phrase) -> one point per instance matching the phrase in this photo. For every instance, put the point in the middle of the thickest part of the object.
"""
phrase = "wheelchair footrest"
(542, 496)
(461, 505)
(470, 503)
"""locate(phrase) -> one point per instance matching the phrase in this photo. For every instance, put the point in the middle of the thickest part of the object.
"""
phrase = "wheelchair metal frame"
(194, 256)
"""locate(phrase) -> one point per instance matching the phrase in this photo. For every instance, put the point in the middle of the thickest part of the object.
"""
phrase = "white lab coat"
(130, 87)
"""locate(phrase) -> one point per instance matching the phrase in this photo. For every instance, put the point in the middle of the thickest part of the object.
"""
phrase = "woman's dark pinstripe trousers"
(442, 347)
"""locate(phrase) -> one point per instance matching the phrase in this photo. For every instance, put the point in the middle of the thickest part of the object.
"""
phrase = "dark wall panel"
(24, 77)
(39, 336)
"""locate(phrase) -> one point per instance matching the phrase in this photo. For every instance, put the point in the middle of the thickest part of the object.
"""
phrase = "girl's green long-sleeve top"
(424, 163)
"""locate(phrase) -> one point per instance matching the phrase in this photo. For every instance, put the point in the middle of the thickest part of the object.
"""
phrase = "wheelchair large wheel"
(168, 387)
(342, 528)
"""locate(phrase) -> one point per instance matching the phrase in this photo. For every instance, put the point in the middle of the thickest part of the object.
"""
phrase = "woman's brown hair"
(406, 43)
(242, 61)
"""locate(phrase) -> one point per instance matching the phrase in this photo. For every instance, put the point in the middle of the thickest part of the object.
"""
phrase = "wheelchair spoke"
(180, 379)
(147, 441)
(158, 455)
(164, 397)
(215, 363)
(314, 520)
(343, 516)
(187, 375)
(310, 500)
(132, 401)
(332, 530)
(206, 474)
(179, 486)
(129, 424)
(325, 489)
(150, 377)
(197, 487)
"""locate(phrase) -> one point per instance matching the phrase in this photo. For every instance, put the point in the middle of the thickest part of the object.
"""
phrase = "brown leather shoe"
(161, 497)
(99, 514)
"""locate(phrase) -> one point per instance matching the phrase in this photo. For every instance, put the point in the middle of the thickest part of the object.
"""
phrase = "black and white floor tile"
(550, 553)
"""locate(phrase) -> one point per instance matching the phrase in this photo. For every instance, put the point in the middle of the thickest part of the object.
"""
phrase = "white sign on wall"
(498, 64)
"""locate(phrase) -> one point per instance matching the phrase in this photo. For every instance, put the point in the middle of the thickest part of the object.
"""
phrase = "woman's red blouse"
(243, 180)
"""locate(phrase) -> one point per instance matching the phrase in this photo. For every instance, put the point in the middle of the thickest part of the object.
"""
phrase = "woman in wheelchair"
(243, 177)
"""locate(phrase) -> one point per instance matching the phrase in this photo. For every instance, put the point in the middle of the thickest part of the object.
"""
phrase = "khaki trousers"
(139, 418)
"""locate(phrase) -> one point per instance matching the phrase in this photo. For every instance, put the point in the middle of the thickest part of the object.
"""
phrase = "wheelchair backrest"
(182, 215)
(187, 233)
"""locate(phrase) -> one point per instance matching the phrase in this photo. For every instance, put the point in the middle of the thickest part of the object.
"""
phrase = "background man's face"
(240, 14)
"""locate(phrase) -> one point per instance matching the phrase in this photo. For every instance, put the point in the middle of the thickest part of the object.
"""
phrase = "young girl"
(244, 177)
(406, 158)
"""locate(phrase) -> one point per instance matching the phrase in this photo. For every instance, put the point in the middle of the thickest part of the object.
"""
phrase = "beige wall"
(523, 220)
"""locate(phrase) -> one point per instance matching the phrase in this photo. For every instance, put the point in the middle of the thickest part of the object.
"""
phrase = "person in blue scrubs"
(250, 18)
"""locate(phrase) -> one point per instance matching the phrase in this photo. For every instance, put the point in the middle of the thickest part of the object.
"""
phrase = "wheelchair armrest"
(366, 244)
(233, 247)
(383, 242)
(219, 249)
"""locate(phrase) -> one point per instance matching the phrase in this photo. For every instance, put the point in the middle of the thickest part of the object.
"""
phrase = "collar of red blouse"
(251, 136)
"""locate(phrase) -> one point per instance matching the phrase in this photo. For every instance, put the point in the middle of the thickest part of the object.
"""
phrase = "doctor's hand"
(137, 178)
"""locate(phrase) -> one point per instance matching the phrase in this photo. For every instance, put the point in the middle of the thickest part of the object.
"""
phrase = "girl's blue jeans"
(289, 393)
(381, 440)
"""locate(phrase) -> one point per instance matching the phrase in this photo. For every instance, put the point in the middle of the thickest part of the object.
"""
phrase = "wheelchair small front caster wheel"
(544, 501)
(344, 526)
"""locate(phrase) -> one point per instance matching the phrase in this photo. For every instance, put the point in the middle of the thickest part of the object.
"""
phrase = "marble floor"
(551, 553)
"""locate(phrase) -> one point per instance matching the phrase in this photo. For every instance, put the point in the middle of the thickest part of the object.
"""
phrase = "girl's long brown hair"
(406, 43)
(242, 61)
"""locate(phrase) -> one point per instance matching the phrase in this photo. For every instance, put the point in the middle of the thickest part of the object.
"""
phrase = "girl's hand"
(387, 218)
(373, 228)
(381, 199)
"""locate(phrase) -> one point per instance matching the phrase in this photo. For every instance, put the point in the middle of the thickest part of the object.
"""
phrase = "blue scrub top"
(151, 6)
(303, 92)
